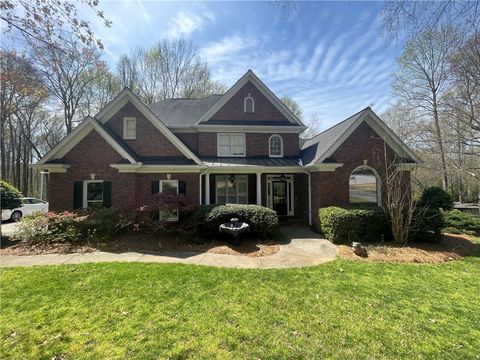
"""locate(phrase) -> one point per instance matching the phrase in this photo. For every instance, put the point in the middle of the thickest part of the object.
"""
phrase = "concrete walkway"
(300, 247)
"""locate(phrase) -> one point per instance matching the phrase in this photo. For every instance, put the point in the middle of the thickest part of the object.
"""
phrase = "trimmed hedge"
(263, 221)
(435, 198)
(427, 225)
(458, 222)
(346, 225)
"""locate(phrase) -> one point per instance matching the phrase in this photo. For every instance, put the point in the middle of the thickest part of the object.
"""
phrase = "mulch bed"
(452, 247)
(143, 243)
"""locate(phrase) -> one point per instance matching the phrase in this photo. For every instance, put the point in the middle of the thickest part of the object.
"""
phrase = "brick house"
(239, 147)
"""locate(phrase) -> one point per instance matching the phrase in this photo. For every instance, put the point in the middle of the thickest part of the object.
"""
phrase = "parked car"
(30, 206)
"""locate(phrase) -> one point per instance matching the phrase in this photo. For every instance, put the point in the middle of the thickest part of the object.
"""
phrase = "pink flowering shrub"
(54, 227)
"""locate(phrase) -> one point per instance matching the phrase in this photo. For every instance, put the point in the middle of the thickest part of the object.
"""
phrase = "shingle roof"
(312, 149)
(255, 161)
(183, 112)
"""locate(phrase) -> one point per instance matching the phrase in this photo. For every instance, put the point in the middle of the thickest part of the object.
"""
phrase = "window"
(231, 189)
(249, 104)
(92, 193)
(231, 145)
(364, 187)
(169, 186)
(275, 145)
(129, 128)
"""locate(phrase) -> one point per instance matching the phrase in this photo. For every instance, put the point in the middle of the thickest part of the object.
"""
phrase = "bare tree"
(423, 79)
(49, 21)
(170, 69)
(67, 73)
(414, 17)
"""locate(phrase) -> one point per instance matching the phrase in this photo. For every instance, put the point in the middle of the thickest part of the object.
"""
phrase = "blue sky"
(328, 56)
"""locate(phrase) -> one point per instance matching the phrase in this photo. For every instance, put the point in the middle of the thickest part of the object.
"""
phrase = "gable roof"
(320, 147)
(82, 130)
(126, 95)
(250, 76)
(183, 112)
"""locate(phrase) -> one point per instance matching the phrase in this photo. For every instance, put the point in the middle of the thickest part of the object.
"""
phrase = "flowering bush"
(54, 227)
(158, 213)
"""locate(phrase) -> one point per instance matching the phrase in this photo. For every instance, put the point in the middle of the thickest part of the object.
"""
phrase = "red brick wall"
(150, 141)
(256, 144)
(92, 155)
(332, 188)
(233, 109)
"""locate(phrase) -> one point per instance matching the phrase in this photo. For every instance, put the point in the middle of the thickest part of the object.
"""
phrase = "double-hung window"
(92, 193)
(169, 186)
(231, 145)
(129, 128)
(231, 189)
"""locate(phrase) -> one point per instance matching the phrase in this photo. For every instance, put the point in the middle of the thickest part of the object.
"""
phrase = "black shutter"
(107, 194)
(155, 187)
(182, 187)
(77, 194)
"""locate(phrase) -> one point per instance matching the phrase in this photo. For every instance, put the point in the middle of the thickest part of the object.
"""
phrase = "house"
(239, 147)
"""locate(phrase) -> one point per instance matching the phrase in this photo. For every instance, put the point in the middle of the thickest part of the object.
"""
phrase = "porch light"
(232, 178)
(282, 177)
(92, 176)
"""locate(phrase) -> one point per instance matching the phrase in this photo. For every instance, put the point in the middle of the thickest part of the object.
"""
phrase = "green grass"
(340, 310)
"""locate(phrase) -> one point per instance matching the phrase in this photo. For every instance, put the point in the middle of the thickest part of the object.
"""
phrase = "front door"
(279, 197)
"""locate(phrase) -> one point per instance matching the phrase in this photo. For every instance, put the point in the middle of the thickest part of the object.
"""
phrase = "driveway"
(299, 247)
(9, 228)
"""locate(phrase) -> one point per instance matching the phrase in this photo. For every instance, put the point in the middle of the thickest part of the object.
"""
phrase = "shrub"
(54, 228)
(347, 225)
(435, 198)
(105, 223)
(263, 221)
(10, 196)
(427, 224)
(459, 222)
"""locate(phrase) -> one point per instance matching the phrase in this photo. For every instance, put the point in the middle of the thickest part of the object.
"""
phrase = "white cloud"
(226, 47)
(185, 23)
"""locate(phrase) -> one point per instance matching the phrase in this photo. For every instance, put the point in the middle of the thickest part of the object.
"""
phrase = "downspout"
(200, 187)
(309, 198)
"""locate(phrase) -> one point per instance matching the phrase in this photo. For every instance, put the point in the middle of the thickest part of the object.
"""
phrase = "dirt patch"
(452, 247)
(143, 243)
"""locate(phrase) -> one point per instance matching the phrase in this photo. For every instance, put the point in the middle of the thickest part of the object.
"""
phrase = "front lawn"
(343, 309)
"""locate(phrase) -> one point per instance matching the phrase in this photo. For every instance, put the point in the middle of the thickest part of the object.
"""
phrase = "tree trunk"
(440, 143)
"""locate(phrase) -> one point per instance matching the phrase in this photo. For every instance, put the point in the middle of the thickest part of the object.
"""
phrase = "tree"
(170, 69)
(415, 17)
(50, 22)
(67, 74)
(422, 81)
(10, 196)
(293, 106)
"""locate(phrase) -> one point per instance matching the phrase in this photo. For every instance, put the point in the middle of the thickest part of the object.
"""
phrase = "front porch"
(286, 193)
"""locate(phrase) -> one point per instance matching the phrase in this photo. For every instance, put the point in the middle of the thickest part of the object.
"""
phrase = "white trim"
(377, 124)
(82, 130)
(231, 144)
(249, 97)
(140, 168)
(250, 76)
(270, 147)
(127, 95)
(170, 218)
(85, 186)
(52, 168)
(378, 182)
(248, 129)
(323, 167)
(290, 180)
(126, 119)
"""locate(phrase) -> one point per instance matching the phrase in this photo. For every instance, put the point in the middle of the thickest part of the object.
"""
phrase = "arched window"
(249, 104)
(275, 145)
(365, 186)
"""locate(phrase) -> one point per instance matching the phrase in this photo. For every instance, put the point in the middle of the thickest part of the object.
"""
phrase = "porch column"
(207, 188)
(259, 188)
